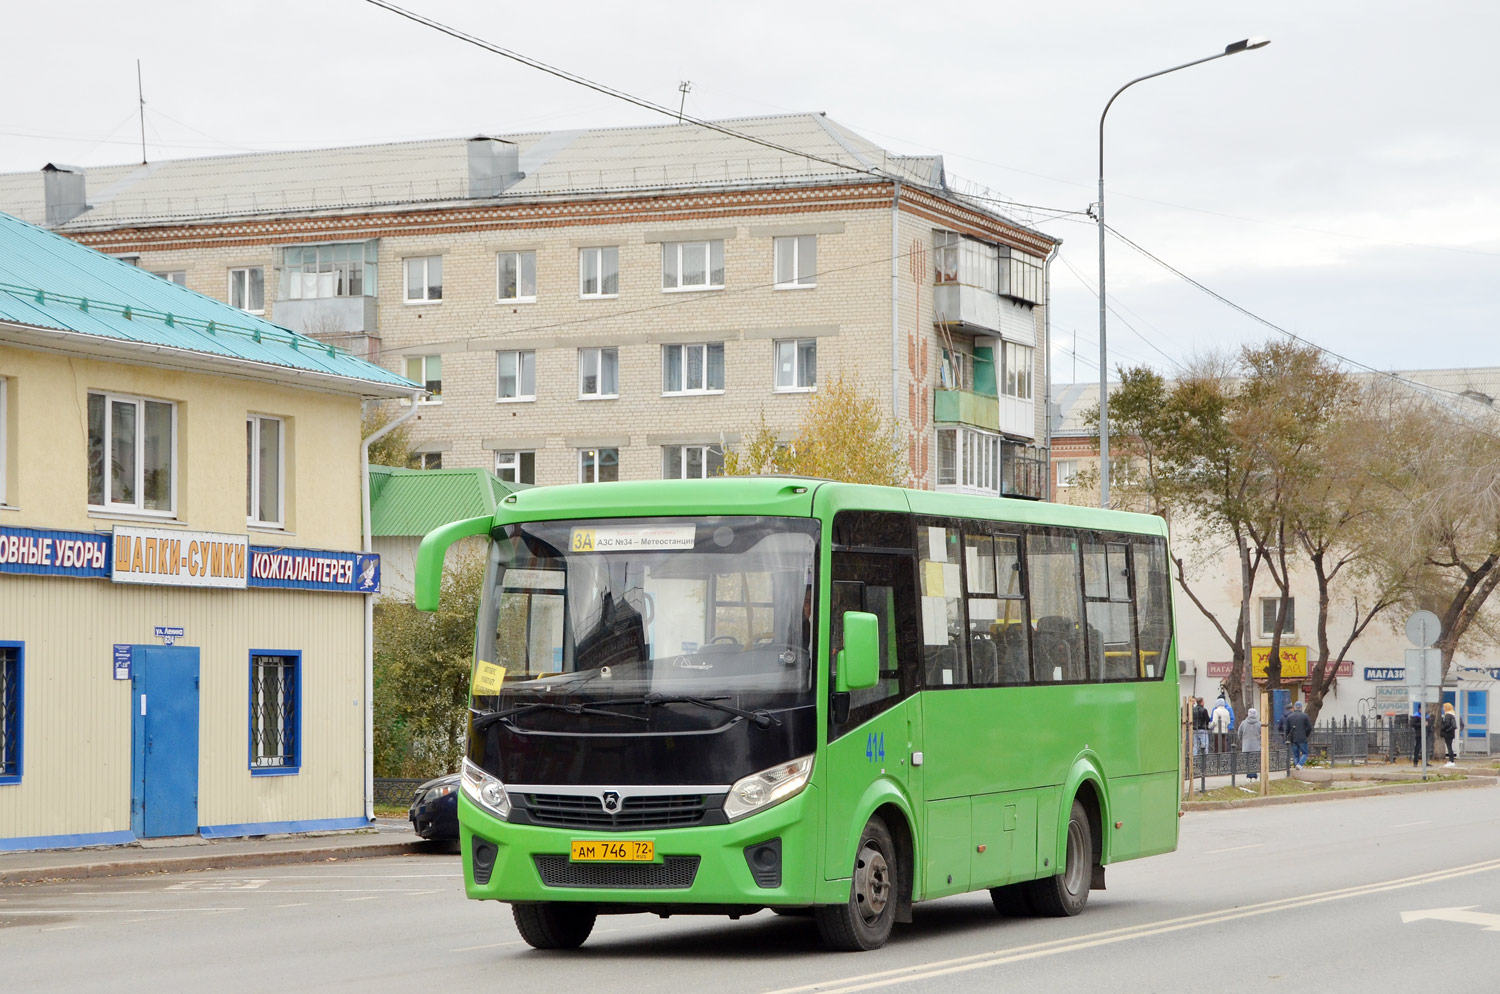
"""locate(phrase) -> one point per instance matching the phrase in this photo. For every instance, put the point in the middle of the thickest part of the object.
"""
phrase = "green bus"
(720, 696)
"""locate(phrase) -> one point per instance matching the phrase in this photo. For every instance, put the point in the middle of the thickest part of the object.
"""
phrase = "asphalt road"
(1356, 894)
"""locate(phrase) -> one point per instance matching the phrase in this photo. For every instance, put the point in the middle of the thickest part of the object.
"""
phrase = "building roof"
(55, 293)
(415, 501)
(556, 164)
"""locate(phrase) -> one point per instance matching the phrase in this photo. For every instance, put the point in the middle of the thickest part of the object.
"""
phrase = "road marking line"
(962, 964)
(1252, 845)
(372, 897)
(303, 904)
(1407, 824)
(106, 911)
(492, 945)
(64, 928)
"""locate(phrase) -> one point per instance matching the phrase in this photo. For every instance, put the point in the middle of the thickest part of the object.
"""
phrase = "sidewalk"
(1387, 778)
(388, 837)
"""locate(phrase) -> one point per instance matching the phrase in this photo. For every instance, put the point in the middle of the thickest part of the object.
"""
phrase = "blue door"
(164, 733)
(1476, 715)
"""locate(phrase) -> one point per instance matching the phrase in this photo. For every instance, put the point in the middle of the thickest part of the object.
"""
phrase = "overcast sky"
(1343, 182)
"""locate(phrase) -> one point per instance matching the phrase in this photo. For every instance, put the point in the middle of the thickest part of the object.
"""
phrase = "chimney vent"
(494, 166)
(65, 196)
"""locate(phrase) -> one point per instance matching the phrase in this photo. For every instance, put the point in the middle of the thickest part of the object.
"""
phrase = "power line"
(1118, 316)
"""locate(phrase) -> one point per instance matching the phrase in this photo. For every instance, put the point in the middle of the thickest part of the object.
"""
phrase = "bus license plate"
(590, 851)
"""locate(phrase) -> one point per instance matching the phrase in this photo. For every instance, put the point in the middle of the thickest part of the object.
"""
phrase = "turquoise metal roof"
(415, 501)
(47, 281)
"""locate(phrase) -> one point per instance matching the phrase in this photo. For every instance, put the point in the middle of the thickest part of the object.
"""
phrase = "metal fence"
(396, 790)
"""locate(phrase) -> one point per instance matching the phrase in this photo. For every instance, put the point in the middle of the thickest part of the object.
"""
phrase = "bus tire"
(1012, 900)
(1065, 894)
(864, 921)
(554, 926)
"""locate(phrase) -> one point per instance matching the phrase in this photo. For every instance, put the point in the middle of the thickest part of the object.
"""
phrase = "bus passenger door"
(873, 732)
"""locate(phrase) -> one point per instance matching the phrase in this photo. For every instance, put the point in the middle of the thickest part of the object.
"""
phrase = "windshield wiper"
(484, 719)
(761, 717)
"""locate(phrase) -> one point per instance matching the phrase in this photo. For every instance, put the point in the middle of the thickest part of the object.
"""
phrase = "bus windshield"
(618, 609)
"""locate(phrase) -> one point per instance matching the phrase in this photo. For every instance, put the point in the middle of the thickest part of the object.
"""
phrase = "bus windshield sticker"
(487, 678)
(632, 537)
(519, 578)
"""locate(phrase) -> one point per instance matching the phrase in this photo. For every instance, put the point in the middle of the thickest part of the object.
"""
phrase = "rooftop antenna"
(140, 95)
(684, 86)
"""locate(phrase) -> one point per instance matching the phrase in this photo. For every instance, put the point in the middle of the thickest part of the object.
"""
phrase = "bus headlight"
(761, 790)
(485, 790)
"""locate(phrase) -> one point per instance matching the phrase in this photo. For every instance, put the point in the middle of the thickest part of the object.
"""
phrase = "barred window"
(10, 712)
(275, 714)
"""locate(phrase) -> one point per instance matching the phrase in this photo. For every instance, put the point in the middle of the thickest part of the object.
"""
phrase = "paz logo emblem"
(611, 800)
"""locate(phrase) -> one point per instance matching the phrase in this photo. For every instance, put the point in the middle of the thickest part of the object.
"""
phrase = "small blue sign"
(1385, 673)
(315, 569)
(122, 661)
(45, 552)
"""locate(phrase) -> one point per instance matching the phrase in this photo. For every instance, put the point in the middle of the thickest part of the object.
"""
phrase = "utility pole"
(141, 96)
(684, 86)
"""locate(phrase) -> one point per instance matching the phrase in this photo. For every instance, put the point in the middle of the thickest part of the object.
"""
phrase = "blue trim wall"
(281, 827)
(66, 841)
(295, 766)
(19, 732)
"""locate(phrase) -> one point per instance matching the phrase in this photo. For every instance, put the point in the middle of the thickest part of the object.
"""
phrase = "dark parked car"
(434, 808)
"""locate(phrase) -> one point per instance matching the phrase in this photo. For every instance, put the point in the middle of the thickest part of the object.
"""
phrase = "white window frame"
(428, 397)
(679, 455)
(178, 276)
(1067, 472)
(525, 392)
(329, 270)
(600, 254)
(976, 462)
(797, 347)
(510, 461)
(242, 274)
(519, 257)
(804, 271)
(136, 507)
(595, 453)
(426, 263)
(671, 252)
(1017, 370)
(1270, 604)
(253, 513)
(423, 458)
(599, 355)
(682, 388)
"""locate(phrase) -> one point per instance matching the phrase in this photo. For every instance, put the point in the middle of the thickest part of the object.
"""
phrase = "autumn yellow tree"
(843, 436)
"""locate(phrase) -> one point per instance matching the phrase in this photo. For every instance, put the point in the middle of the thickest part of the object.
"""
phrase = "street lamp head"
(1246, 44)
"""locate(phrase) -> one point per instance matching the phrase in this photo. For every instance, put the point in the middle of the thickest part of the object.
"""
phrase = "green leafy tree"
(842, 436)
(422, 668)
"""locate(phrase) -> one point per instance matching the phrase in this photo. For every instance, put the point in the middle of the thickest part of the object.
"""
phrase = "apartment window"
(424, 279)
(796, 262)
(598, 373)
(247, 289)
(968, 461)
(177, 276)
(692, 368)
(1024, 280)
(264, 470)
(1015, 377)
(945, 256)
(797, 364)
(1268, 607)
(517, 375)
(517, 277)
(516, 466)
(313, 272)
(598, 465)
(275, 712)
(691, 462)
(599, 272)
(426, 460)
(428, 371)
(132, 453)
(11, 706)
(692, 265)
(1067, 472)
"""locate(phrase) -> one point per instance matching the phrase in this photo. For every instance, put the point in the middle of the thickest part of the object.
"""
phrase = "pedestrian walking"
(1447, 730)
(1298, 729)
(1218, 723)
(1200, 727)
(1250, 741)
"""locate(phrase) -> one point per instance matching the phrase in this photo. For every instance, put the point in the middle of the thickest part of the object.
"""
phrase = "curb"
(1334, 795)
(206, 861)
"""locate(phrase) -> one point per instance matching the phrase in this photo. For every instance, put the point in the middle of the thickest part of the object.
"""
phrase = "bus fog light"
(768, 787)
(485, 790)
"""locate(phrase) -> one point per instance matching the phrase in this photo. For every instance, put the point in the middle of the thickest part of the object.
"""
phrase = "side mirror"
(859, 660)
(430, 555)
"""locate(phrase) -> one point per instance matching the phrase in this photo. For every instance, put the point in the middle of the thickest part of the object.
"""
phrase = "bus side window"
(1058, 644)
(944, 642)
(1153, 605)
(1111, 631)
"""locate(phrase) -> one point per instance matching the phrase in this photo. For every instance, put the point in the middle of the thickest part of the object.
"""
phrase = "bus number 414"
(875, 746)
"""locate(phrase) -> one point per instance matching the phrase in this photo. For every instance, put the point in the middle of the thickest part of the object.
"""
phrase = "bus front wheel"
(553, 926)
(1065, 894)
(864, 921)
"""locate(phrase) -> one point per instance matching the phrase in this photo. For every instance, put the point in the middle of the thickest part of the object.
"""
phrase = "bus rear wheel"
(553, 926)
(864, 921)
(1065, 894)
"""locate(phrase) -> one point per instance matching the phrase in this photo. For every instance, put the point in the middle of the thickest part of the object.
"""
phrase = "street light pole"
(1234, 48)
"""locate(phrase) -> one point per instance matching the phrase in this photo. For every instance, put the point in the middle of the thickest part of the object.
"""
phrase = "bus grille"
(635, 814)
(673, 872)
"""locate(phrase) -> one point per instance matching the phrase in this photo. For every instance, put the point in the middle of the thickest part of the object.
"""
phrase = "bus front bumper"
(709, 866)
